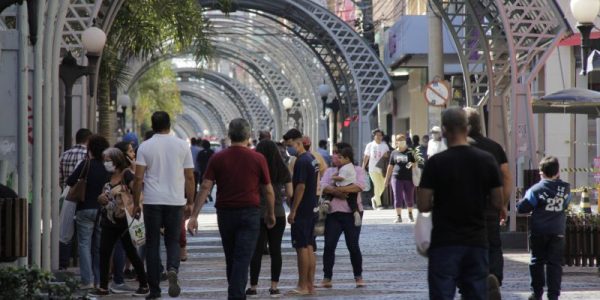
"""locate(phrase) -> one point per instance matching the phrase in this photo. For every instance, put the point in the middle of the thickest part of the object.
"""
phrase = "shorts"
(303, 233)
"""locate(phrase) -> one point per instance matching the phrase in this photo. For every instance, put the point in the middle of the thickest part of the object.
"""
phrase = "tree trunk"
(104, 110)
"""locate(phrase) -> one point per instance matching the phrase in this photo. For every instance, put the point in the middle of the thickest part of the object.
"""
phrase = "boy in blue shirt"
(547, 201)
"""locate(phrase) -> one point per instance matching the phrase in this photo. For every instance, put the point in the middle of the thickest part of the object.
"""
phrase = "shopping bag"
(67, 218)
(423, 228)
(416, 175)
(137, 229)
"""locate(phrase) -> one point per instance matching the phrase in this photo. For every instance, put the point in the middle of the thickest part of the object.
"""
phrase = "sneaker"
(274, 293)
(410, 217)
(153, 296)
(357, 219)
(88, 286)
(251, 293)
(359, 283)
(533, 296)
(121, 288)
(99, 292)
(373, 205)
(493, 288)
(326, 283)
(398, 219)
(141, 291)
(174, 288)
(183, 254)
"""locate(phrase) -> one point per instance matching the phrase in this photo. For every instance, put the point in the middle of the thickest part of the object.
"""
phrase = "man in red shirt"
(240, 174)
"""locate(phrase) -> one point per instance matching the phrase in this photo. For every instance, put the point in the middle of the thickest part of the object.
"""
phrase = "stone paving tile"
(392, 268)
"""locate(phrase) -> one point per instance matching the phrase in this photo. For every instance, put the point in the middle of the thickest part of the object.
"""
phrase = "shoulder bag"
(77, 192)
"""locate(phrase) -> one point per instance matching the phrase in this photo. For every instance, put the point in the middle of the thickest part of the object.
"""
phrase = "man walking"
(240, 174)
(464, 180)
(301, 217)
(163, 163)
(202, 162)
(435, 144)
(375, 151)
(68, 162)
(324, 153)
(493, 217)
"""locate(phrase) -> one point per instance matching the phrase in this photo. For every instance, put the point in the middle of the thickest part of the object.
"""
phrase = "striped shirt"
(69, 160)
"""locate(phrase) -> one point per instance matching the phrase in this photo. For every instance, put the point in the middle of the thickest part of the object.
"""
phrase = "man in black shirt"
(464, 181)
(493, 216)
(202, 160)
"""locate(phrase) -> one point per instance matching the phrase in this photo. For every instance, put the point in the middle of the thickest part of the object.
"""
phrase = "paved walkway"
(392, 268)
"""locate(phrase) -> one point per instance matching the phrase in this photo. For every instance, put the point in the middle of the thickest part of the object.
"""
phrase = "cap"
(306, 141)
(436, 129)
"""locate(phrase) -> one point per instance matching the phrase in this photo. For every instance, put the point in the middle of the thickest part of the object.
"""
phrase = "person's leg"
(245, 242)
(96, 249)
(275, 235)
(378, 187)
(556, 249)
(135, 259)
(398, 197)
(474, 273)
(118, 262)
(409, 196)
(172, 216)
(352, 235)
(258, 253)
(108, 238)
(182, 241)
(227, 223)
(539, 258)
(85, 231)
(153, 222)
(303, 269)
(312, 267)
(333, 231)
(495, 246)
(443, 271)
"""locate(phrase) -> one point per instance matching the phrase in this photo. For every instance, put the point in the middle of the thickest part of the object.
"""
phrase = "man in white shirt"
(163, 164)
(436, 144)
(374, 151)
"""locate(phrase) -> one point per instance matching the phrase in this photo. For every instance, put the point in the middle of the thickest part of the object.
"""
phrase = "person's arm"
(269, 194)
(424, 199)
(138, 181)
(205, 188)
(506, 183)
(528, 203)
(190, 190)
(388, 174)
(496, 198)
(298, 195)
(365, 161)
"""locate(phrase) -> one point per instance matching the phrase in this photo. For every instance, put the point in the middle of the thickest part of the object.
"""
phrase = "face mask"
(292, 151)
(402, 144)
(108, 165)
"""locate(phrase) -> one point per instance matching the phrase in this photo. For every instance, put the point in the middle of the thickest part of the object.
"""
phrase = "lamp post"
(288, 103)
(585, 11)
(93, 40)
(334, 107)
(124, 101)
(324, 91)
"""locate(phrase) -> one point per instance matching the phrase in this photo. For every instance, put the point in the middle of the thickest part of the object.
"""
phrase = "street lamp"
(288, 103)
(324, 91)
(205, 133)
(124, 101)
(585, 11)
(93, 40)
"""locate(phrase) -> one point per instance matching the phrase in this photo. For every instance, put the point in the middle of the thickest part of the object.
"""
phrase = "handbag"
(423, 228)
(77, 192)
(321, 211)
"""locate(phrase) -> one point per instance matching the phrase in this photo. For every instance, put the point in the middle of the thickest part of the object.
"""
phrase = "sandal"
(326, 283)
(297, 292)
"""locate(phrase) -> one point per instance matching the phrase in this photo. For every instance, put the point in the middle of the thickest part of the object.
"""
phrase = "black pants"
(336, 224)
(495, 246)
(108, 239)
(546, 253)
(273, 236)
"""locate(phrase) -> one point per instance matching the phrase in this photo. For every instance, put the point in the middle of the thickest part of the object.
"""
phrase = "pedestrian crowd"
(137, 198)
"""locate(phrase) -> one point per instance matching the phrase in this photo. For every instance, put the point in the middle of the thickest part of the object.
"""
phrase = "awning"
(575, 39)
(569, 101)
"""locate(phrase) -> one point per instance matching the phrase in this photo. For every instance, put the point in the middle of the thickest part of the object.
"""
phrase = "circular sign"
(437, 93)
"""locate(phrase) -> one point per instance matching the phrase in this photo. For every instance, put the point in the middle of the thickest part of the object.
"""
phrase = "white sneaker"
(357, 219)
(120, 288)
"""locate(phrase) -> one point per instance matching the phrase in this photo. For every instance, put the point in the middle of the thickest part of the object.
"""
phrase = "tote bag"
(423, 228)
(137, 229)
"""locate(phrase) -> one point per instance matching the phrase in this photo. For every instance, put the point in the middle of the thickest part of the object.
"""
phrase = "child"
(547, 200)
(347, 176)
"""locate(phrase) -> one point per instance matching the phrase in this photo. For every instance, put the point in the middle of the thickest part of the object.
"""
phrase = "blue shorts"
(303, 233)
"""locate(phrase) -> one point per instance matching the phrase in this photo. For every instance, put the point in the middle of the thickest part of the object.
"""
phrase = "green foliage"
(417, 155)
(26, 283)
(227, 6)
(156, 90)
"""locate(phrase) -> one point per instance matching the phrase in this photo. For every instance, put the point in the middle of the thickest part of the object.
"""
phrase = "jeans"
(546, 251)
(110, 236)
(155, 217)
(450, 266)
(273, 236)
(378, 187)
(88, 237)
(239, 229)
(335, 224)
(495, 246)
(118, 260)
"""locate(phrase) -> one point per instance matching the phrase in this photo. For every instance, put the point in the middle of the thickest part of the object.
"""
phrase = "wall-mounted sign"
(437, 93)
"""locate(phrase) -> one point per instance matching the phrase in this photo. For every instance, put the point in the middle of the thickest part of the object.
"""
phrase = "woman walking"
(341, 220)
(281, 180)
(402, 161)
(114, 223)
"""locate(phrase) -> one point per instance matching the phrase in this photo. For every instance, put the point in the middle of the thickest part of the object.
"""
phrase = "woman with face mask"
(114, 222)
(400, 172)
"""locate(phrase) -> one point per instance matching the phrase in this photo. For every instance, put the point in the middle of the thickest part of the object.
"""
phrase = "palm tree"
(144, 29)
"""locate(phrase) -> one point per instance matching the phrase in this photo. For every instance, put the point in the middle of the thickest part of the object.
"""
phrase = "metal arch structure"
(193, 122)
(185, 127)
(212, 116)
(350, 60)
(203, 117)
(222, 105)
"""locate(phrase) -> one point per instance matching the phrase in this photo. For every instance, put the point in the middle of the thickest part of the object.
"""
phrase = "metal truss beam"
(210, 94)
(214, 121)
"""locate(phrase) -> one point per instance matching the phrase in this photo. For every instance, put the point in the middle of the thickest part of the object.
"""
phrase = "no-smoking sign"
(437, 93)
